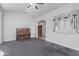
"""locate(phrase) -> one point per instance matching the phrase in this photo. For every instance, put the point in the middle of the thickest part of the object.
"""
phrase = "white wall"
(0, 26)
(13, 20)
(68, 40)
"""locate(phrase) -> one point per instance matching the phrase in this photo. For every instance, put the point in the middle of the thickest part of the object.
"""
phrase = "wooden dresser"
(22, 34)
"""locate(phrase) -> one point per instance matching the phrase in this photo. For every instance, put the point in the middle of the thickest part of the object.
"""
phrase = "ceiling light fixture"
(35, 5)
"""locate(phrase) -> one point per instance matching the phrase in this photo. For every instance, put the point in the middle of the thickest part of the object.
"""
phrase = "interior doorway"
(39, 31)
(42, 29)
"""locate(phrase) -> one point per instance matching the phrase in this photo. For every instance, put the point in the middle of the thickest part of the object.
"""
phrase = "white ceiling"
(21, 7)
(13, 6)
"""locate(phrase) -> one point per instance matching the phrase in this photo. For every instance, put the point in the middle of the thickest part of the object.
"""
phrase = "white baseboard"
(63, 45)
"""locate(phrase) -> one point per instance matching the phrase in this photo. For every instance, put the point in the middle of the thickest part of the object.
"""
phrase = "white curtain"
(67, 25)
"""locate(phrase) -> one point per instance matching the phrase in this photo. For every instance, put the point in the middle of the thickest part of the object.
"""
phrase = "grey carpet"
(35, 47)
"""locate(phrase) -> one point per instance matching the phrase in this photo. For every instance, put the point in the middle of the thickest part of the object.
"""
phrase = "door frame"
(43, 23)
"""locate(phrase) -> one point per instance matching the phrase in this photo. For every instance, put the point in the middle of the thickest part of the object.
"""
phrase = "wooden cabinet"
(22, 33)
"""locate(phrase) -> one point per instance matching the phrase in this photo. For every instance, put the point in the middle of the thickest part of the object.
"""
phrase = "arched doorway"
(42, 29)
